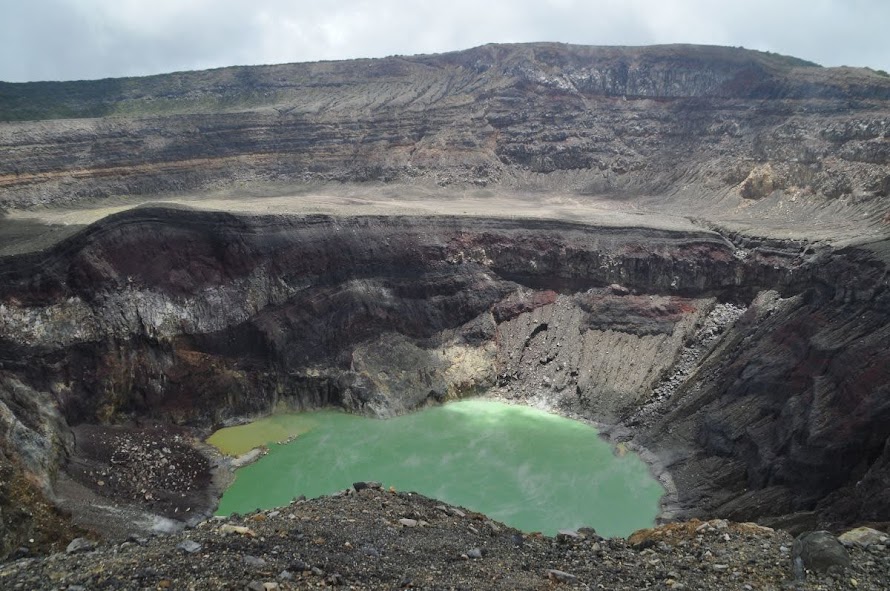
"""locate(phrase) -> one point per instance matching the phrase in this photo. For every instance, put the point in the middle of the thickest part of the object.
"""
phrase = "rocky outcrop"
(34, 442)
(791, 407)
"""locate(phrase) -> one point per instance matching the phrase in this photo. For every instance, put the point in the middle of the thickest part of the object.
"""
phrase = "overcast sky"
(77, 39)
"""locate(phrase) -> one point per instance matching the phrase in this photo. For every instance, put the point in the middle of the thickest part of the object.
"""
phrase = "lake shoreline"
(471, 443)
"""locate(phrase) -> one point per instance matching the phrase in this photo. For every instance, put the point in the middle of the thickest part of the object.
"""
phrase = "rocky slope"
(373, 539)
(744, 351)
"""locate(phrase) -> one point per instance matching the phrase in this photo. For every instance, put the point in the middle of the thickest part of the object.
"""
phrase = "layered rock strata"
(196, 317)
(685, 121)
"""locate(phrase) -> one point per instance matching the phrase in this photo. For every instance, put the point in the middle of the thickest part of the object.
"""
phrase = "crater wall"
(658, 121)
(193, 318)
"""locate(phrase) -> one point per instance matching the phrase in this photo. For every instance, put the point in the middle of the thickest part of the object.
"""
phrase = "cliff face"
(751, 366)
(165, 310)
(791, 408)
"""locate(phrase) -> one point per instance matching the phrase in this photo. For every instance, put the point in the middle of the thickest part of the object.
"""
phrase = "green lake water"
(527, 468)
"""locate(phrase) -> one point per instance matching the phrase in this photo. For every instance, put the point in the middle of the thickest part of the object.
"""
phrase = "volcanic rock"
(820, 551)
(686, 245)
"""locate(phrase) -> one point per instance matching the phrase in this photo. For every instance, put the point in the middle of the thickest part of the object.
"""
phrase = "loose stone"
(565, 535)
(363, 485)
(253, 561)
(189, 546)
(237, 529)
(561, 576)
(80, 545)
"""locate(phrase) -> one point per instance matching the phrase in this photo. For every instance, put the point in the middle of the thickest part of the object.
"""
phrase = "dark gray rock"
(335, 579)
(819, 551)
(568, 535)
(20, 552)
(561, 576)
(361, 485)
(475, 553)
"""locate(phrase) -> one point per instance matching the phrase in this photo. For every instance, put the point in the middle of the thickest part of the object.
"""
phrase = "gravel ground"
(379, 539)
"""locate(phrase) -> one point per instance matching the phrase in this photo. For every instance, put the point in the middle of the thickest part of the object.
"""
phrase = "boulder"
(819, 551)
(863, 536)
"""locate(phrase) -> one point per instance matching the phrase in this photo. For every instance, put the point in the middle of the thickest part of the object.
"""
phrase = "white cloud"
(69, 39)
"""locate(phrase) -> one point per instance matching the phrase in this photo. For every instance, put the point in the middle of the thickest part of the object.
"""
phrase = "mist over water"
(529, 469)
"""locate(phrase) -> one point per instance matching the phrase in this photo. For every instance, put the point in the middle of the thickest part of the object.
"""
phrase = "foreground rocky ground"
(378, 539)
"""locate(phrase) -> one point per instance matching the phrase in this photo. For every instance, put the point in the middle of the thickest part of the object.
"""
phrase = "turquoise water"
(529, 469)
